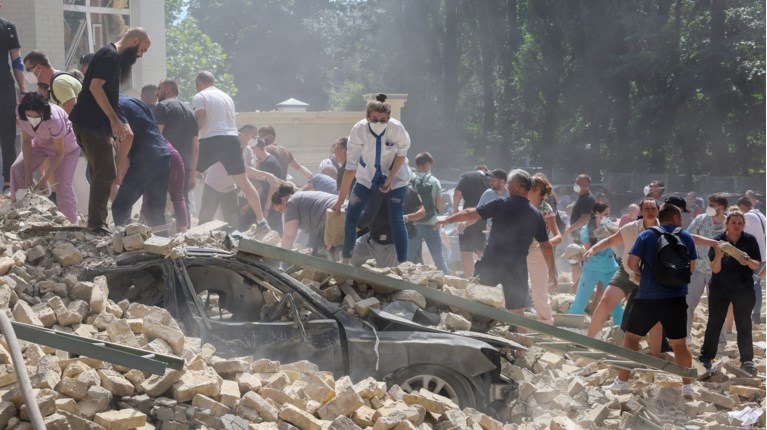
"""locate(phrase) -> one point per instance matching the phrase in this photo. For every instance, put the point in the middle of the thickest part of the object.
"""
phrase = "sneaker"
(706, 363)
(100, 230)
(687, 391)
(749, 367)
(619, 386)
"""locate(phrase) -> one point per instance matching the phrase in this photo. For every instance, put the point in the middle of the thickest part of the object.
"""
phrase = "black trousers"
(743, 299)
(8, 128)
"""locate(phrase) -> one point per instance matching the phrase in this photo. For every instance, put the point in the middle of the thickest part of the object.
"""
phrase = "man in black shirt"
(95, 121)
(377, 240)
(178, 124)
(9, 43)
(580, 216)
(470, 187)
(515, 224)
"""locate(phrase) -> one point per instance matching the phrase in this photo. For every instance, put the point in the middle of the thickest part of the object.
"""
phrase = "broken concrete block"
(66, 254)
(120, 332)
(718, 399)
(133, 242)
(159, 245)
(301, 419)
(36, 253)
(154, 330)
(156, 385)
(99, 294)
(115, 383)
(344, 403)
(6, 264)
(451, 321)
(137, 228)
(225, 367)
(125, 419)
(363, 306)
(248, 382)
(230, 393)
(265, 409)
(204, 402)
(97, 399)
(344, 423)
(7, 411)
(411, 296)
(491, 296)
(205, 382)
(433, 403)
(318, 390)
(23, 313)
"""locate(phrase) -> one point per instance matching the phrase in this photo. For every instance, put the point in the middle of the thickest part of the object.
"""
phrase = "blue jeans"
(146, 176)
(427, 233)
(586, 285)
(358, 199)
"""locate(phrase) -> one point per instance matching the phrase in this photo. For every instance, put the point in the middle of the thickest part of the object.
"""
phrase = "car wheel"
(438, 380)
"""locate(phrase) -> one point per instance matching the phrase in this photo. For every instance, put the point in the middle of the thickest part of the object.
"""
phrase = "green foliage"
(190, 51)
(651, 86)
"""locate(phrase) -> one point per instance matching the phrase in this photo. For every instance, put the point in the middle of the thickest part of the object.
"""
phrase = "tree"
(189, 52)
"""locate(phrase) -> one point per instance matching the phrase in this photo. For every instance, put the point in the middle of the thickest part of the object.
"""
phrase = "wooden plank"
(368, 277)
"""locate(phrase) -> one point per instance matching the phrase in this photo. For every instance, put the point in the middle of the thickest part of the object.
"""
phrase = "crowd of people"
(508, 223)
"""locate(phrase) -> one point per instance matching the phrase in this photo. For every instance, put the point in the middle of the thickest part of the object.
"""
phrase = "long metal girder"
(122, 355)
(368, 277)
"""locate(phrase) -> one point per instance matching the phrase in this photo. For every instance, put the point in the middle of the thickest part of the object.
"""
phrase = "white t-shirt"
(754, 226)
(629, 233)
(362, 146)
(217, 178)
(219, 112)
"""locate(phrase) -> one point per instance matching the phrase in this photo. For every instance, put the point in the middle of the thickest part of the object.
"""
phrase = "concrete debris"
(39, 270)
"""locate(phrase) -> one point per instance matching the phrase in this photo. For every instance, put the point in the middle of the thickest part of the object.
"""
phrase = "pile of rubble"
(39, 285)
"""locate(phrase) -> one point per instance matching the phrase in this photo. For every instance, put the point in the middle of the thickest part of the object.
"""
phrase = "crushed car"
(245, 306)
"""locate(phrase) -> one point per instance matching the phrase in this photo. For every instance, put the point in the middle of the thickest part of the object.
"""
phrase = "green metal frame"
(368, 277)
(122, 355)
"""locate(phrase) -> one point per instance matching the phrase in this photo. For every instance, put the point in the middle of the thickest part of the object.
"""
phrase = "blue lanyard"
(378, 177)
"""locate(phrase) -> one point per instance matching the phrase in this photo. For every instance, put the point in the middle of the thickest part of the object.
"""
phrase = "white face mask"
(646, 190)
(710, 212)
(252, 143)
(606, 221)
(378, 127)
(576, 188)
(30, 78)
(34, 121)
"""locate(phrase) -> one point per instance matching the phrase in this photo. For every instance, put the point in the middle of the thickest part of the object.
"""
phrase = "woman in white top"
(376, 158)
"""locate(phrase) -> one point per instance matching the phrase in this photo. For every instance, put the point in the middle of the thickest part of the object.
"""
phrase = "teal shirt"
(603, 261)
(436, 190)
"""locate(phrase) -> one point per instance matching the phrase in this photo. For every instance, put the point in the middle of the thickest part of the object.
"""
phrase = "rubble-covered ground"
(38, 285)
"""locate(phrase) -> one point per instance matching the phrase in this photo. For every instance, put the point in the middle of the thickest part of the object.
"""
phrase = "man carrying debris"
(515, 223)
(143, 165)
(658, 300)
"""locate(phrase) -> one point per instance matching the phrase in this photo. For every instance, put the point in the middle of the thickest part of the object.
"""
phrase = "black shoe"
(749, 367)
(706, 363)
(665, 346)
(101, 230)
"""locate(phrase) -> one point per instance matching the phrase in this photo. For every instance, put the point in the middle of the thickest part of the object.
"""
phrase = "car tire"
(436, 379)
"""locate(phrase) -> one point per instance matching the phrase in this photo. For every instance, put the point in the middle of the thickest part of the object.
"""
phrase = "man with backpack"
(663, 259)
(430, 191)
(60, 87)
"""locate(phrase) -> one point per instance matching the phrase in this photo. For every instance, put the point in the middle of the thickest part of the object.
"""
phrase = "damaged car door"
(247, 311)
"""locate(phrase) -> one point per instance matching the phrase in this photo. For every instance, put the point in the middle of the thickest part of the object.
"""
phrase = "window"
(91, 24)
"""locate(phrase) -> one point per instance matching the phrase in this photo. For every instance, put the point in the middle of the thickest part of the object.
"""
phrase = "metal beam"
(368, 277)
(122, 355)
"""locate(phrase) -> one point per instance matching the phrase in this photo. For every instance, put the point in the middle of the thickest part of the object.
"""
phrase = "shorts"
(670, 313)
(622, 281)
(472, 239)
(513, 280)
(224, 149)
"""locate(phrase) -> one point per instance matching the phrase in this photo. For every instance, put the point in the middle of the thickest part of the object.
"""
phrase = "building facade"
(67, 29)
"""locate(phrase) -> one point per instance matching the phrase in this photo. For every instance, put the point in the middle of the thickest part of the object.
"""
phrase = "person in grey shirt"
(305, 211)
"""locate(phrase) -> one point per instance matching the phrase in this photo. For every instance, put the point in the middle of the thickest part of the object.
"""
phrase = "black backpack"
(671, 267)
(51, 95)
(424, 189)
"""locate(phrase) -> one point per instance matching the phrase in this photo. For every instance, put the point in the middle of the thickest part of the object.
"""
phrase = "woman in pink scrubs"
(46, 135)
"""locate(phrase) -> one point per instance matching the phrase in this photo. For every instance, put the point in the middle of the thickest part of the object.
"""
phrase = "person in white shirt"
(219, 191)
(755, 223)
(377, 159)
(219, 139)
